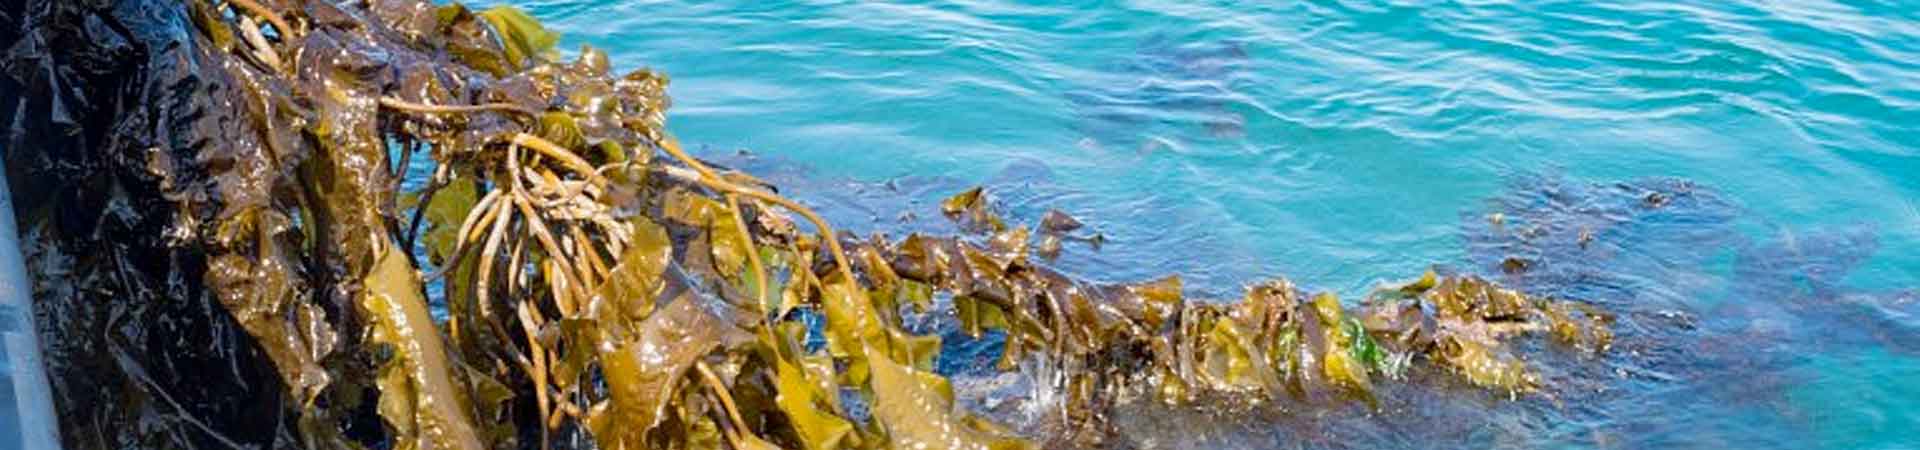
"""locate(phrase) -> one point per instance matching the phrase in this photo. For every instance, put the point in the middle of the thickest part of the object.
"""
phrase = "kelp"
(915, 409)
(601, 287)
(420, 400)
(1273, 341)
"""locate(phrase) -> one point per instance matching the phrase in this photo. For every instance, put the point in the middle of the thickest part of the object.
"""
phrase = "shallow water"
(1768, 290)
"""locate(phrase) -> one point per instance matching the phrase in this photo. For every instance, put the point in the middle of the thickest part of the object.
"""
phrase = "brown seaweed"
(419, 398)
(601, 286)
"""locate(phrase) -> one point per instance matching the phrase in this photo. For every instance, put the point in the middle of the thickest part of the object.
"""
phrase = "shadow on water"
(1718, 324)
(1166, 89)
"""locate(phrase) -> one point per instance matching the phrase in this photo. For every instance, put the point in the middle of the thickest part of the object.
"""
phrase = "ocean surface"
(1740, 180)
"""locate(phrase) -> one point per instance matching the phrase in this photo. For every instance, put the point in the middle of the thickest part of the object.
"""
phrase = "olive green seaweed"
(603, 288)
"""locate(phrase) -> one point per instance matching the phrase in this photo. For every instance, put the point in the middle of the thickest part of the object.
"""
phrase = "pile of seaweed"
(224, 257)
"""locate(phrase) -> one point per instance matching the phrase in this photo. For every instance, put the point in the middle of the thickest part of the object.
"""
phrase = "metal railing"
(26, 404)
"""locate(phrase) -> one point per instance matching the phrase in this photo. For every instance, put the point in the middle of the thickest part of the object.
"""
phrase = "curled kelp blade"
(419, 398)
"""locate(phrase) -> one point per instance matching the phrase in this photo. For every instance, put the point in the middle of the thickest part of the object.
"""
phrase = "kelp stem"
(518, 197)
(540, 233)
(594, 261)
(279, 24)
(478, 219)
(710, 179)
(434, 185)
(753, 253)
(551, 150)
(539, 372)
(261, 49)
(403, 105)
(726, 401)
(490, 251)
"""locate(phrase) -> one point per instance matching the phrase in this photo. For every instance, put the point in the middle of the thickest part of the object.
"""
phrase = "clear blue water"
(1771, 304)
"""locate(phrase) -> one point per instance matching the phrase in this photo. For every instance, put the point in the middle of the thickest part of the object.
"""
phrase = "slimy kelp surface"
(232, 266)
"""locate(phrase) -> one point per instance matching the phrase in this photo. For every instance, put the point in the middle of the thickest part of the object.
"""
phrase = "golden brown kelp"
(600, 286)
(1273, 341)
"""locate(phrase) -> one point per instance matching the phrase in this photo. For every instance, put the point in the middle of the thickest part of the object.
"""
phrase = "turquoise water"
(1771, 304)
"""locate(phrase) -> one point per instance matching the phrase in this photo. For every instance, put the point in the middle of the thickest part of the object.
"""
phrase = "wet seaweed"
(601, 287)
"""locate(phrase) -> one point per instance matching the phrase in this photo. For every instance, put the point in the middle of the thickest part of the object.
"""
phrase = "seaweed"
(419, 398)
(599, 286)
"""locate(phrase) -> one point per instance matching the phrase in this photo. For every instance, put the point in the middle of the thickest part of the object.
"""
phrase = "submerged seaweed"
(602, 288)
